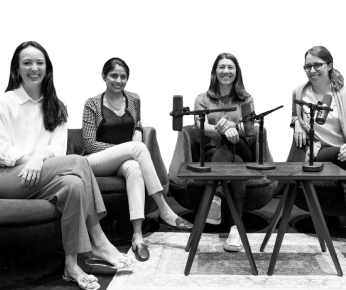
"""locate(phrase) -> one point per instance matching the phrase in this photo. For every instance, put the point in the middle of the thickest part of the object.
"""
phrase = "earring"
(18, 75)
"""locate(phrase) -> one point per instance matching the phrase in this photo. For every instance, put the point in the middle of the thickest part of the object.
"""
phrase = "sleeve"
(200, 103)
(58, 141)
(294, 116)
(8, 153)
(138, 125)
(89, 132)
(250, 100)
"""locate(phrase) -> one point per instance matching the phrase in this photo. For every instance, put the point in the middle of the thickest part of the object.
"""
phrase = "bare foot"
(107, 252)
(169, 216)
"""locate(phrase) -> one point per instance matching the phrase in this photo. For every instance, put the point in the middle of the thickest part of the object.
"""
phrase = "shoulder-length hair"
(111, 63)
(53, 110)
(334, 75)
(238, 92)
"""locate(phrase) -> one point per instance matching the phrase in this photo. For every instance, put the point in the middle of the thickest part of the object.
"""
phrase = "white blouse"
(329, 134)
(22, 129)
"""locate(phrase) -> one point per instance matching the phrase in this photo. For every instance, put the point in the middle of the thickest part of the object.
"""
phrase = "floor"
(46, 273)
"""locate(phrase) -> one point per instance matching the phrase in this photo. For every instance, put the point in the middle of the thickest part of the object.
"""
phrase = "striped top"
(93, 118)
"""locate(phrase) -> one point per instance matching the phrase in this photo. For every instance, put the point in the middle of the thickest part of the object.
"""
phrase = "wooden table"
(292, 171)
(220, 172)
(284, 171)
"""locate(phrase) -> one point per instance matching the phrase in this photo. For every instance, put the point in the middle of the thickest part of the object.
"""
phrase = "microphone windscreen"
(177, 121)
(245, 109)
(327, 100)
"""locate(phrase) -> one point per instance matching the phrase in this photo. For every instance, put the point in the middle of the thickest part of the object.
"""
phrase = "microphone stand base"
(198, 168)
(316, 167)
(261, 166)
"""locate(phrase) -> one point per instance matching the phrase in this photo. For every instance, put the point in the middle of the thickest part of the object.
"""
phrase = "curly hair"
(334, 75)
(238, 92)
(53, 110)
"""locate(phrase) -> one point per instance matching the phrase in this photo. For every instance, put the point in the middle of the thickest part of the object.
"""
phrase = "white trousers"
(131, 160)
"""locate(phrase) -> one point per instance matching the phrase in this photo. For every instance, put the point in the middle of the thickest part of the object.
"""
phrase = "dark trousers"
(330, 154)
(243, 151)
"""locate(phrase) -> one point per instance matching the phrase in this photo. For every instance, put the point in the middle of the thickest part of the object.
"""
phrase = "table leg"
(317, 225)
(315, 205)
(239, 223)
(275, 218)
(210, 186)
(283, 227)
(204, 209)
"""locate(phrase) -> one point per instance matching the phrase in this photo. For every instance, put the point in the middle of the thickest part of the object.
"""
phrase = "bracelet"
(139, 129)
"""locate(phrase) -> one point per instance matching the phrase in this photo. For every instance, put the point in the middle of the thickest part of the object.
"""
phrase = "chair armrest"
(150, 140)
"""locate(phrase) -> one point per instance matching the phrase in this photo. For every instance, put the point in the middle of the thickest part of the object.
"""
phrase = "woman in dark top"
(228, 140)
(112, 134)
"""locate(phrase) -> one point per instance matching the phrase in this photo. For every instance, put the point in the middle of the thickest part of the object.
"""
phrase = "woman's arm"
(299, 132)
(138, 134)
(89, 132)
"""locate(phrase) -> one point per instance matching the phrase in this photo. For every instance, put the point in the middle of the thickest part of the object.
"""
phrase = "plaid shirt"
(93, 118)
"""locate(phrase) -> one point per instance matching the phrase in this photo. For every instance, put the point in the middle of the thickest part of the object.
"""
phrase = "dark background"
(174, 59)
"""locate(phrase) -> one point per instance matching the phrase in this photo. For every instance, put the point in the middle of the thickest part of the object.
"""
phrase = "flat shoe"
(180, 224)
(141, 251)
(84, 282)
(124, 261)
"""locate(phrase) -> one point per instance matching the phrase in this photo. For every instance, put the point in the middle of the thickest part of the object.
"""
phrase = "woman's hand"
(342, 154)
(223, 125)
(299, 134)
(31, 172)
(232, 135)
(137, 136)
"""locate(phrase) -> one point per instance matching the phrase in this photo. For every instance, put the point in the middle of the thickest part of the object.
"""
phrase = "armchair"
(188, 193)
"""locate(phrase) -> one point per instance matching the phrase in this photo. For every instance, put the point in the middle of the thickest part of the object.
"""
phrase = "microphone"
(247, 119)
(177, 120)
(322, 114)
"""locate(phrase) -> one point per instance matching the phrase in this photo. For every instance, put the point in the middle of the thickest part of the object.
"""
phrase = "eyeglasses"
(317, 66)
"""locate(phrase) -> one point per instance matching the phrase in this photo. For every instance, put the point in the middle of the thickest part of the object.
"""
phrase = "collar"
(23, 97)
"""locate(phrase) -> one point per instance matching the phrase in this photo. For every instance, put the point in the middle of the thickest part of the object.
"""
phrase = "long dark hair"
(334, 75)
(53, 110)
(238, 92)
(111, 63)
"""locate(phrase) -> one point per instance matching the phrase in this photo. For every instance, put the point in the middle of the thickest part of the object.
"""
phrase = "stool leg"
(315, 222)
(283, 227)
(205, 206)
(209, 186)
(239, 223)
(275, 218)
(315, 205)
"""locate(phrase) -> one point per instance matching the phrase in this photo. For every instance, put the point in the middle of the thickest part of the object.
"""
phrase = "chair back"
(75, 142)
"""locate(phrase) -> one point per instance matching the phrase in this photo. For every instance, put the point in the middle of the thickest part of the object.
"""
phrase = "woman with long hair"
(33, 165)
(112, 132)
(323, 79)
(228, 140)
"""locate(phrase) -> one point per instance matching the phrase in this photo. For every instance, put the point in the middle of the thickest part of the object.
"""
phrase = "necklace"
(121, 104)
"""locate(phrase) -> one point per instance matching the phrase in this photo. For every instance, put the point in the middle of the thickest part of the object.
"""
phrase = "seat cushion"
(111, 184)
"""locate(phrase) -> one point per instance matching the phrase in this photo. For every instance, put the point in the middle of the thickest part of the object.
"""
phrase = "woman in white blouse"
(323, 79)
(33, 165)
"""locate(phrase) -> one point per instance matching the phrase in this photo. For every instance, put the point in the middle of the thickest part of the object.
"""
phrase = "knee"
(131, 167)
(140, 148)
(75, 187)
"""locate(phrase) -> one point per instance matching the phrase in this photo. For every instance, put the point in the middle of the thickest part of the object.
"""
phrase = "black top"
(115, 129)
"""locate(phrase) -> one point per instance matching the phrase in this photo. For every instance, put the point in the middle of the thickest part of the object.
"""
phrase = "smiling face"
(226, 71)
(116, 79)
(320, 76)
(32, 66)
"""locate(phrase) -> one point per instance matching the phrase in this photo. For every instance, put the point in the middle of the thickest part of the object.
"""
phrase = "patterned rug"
(300, 265)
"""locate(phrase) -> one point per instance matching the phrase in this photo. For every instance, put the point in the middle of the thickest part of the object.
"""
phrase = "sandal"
(84, 282)
(124, 261)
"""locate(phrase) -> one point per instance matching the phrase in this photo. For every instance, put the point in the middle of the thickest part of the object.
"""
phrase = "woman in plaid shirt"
(112, 134)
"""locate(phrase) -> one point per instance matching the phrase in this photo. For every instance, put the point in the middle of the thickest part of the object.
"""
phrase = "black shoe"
(180, 224)
(141, 251)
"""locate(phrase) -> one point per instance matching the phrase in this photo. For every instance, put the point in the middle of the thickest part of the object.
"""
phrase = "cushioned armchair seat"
(31, 227)
(189, 193)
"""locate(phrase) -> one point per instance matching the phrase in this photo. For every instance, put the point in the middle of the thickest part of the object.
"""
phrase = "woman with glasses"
(323, 79)
(228, 140)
